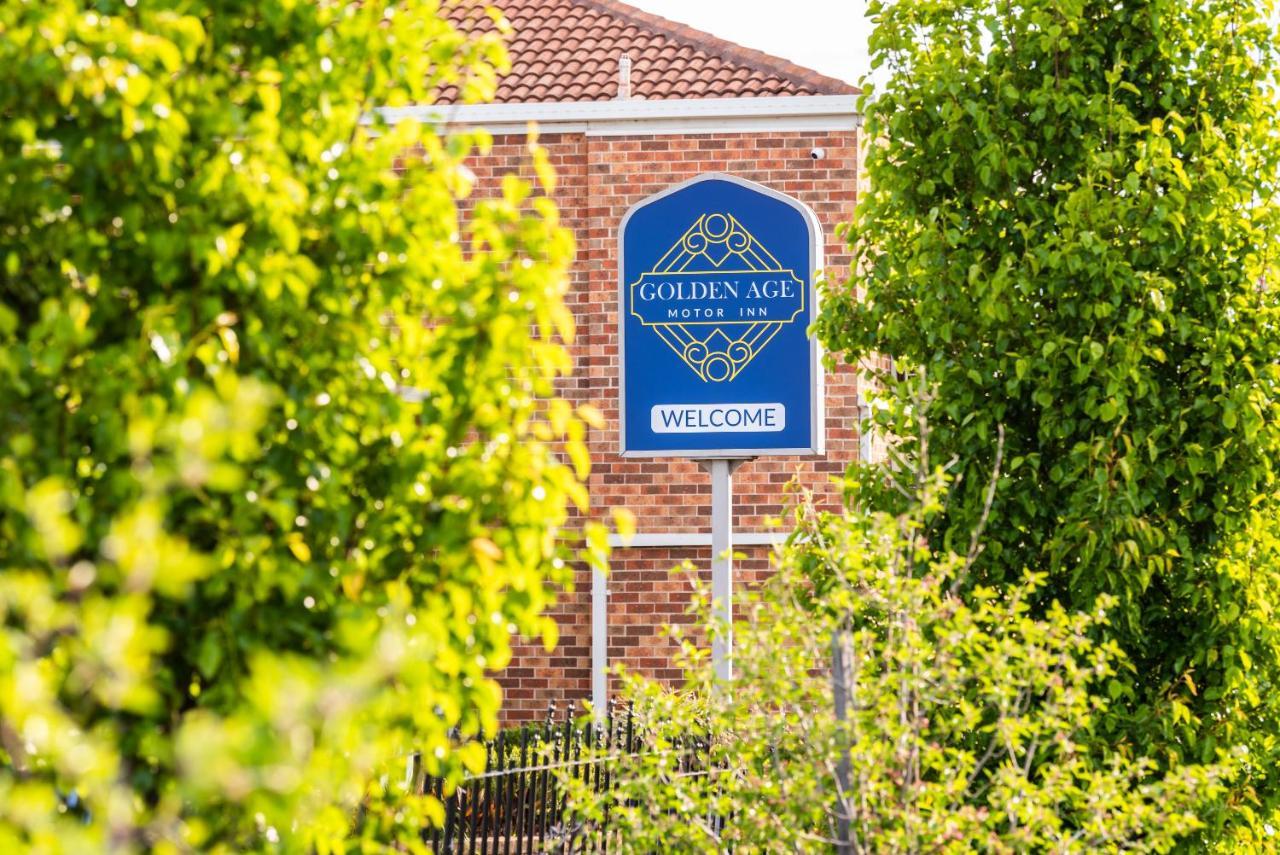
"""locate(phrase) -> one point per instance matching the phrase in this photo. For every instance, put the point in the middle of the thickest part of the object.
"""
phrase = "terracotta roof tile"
(568, 50)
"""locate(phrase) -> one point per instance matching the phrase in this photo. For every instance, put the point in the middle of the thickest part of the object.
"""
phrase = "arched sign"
(716, 297)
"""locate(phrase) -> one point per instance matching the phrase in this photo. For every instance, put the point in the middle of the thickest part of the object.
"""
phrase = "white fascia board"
(632, 117)
(653, 540)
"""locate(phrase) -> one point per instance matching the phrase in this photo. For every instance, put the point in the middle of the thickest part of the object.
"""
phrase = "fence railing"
(518, 804)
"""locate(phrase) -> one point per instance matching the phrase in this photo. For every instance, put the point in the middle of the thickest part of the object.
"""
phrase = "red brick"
(599, 179)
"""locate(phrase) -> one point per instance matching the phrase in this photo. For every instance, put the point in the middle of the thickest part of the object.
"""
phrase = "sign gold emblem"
(717, 297)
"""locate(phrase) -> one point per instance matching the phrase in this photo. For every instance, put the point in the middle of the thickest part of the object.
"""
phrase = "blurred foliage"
(282, 462)
(958, 723)
(1071, 228)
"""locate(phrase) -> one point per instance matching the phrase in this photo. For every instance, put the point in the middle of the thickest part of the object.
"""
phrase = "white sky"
(829, 36)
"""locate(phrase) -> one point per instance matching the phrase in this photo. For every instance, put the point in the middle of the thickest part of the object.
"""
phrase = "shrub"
(1070, 228)
(882, 711)
(280, 466)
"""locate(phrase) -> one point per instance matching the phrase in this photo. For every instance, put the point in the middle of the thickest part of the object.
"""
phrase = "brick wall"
(599, 178)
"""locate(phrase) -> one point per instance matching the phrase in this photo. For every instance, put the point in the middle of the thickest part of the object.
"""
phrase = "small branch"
(975, 540)
(982, 763)
(1031, 756)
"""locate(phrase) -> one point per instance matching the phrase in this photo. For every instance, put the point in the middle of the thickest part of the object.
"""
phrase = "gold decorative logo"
(717, 297)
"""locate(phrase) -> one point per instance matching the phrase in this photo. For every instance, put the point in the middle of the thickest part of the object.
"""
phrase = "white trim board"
(652, 540)
(805, 113)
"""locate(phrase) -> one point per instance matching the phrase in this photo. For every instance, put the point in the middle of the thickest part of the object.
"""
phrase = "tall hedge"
(280, 449)
(1071, 230)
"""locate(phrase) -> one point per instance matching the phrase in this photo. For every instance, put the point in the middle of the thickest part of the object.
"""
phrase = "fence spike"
(486, 804)
(519, 799)
(551, 751)
(531, 793)
(500, 805)
(521, 790)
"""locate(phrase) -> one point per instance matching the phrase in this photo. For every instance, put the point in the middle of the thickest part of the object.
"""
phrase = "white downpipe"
(599, 644)
(661, 540)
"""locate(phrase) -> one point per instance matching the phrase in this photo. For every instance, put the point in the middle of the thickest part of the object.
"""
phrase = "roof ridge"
(755, 59)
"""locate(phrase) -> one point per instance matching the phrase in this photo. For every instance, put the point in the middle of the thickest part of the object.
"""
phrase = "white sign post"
(721, 471)
(716, 294)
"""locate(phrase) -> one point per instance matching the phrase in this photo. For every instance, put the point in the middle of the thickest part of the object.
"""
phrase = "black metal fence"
(517, 805)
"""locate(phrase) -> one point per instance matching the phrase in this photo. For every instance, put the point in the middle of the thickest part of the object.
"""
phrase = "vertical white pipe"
(599, 644)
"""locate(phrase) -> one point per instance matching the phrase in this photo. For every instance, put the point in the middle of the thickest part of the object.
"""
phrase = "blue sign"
(716, 298)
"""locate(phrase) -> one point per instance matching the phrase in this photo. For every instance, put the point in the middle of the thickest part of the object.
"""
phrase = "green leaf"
(278, 486)
(210, 654)
(1123, 267)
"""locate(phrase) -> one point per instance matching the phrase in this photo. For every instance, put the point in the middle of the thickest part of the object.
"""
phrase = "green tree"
(1071, 228)
(956, 723)
(280, 448)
